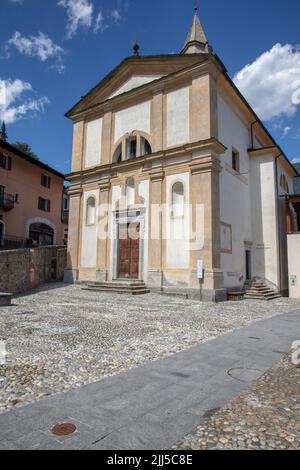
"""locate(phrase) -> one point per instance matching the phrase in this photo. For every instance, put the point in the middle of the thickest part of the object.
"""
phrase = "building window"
(236, 160)
(44, 204)
(5, 162)
(17, 198)
(131, 148)
(65, 203)
(145, 147)
(45, 181)
(91, 211)
(178, 199)
(134, 146)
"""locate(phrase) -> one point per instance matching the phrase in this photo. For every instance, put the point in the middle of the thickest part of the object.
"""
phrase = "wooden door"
(129, 251)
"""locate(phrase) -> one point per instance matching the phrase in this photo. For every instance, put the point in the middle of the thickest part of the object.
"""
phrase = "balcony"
(7, 201)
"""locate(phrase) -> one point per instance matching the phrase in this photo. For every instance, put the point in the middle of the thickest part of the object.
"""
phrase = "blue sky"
(53, 51)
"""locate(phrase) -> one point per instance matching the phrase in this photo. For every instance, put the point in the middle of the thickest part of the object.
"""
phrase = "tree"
(3, 133)
(26, 148)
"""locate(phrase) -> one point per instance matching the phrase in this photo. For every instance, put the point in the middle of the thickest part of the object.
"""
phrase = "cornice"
(152, 163)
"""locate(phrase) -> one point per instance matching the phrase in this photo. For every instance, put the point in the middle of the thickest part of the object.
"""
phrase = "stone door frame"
(123, 217)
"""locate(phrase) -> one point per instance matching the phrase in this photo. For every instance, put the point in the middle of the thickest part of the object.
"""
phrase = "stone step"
(120, 285)
(130, 287)
(117, 290)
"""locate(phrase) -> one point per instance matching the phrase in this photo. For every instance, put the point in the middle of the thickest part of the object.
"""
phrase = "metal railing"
(7, 201)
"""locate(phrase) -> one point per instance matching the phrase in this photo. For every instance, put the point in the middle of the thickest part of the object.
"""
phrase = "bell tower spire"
(196, 41)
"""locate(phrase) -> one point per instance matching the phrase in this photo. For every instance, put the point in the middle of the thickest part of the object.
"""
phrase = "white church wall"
(93, 143)
(235, 207)
(293, 241)
(178, 117)
(89, 233)
(135, 82)
(133, 119)
(177, 228)
(264, 218)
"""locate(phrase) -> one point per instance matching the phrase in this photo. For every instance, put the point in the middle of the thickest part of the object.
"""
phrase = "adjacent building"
(167, 147)
(33, 210)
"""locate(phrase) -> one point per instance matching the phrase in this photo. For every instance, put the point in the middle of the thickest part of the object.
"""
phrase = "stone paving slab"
(154, 405)
(59, 337)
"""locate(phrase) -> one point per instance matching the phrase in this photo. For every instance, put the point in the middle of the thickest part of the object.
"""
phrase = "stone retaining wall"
(22, 270)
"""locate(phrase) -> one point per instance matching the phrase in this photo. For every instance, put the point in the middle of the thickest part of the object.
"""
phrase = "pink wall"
(25, 179)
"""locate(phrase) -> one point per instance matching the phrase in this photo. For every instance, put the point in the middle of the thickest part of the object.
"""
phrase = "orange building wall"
(25, 179)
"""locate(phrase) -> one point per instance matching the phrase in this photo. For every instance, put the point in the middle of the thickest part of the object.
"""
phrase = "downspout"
(278, 222)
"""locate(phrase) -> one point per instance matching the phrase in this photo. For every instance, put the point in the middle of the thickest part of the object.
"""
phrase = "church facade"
(175, 181)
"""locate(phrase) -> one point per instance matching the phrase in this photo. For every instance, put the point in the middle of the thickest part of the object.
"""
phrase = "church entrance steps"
(132, 287)
(259, 290)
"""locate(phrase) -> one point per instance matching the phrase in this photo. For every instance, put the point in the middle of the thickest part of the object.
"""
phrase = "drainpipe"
(278, 222)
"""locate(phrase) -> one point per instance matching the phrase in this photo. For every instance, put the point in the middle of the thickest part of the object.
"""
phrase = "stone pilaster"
(106, 138)
(157, 122)
(71, 272)
(103, 237)
(205, 192)
(155, 263)
(77, 149)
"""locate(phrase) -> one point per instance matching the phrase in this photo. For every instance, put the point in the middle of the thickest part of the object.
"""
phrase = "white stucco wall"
(293, 242)
(178, 105)
(93, 143)
(264, 218)
(177, 229)
(133, 119)
(134, 82)
(89, 234)
(235, 203)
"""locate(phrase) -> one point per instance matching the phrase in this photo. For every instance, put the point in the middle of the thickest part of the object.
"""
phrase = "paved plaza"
(62, 337)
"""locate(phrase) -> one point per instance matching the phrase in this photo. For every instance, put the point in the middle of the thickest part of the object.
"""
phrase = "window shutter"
(49, 206)
(9, 163)
(49, 182)
(40, 203)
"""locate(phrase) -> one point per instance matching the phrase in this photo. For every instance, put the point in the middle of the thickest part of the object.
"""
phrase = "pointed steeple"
(196, 41)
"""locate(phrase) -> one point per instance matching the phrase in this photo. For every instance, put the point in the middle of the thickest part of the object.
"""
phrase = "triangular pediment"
(132, 73)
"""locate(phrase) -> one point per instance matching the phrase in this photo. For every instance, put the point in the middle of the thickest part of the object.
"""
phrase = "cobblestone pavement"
(267, 417)
(62, 337)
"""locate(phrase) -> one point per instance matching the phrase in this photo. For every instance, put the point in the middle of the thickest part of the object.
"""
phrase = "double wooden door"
(129, 251)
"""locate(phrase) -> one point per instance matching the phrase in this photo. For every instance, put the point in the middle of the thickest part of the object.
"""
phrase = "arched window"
(130, 192)
(41, 233)
(178, 199)
(117, 158)
(145, 147)
(132, 146)
(91, 211)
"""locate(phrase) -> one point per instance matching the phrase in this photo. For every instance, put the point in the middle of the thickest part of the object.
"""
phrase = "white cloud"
(100, 24)
(79, 13)
(12, 105)
(116, 15)
(271, 83)
(286, 130)
(296, 160)
(40, 46)
(16, 1)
